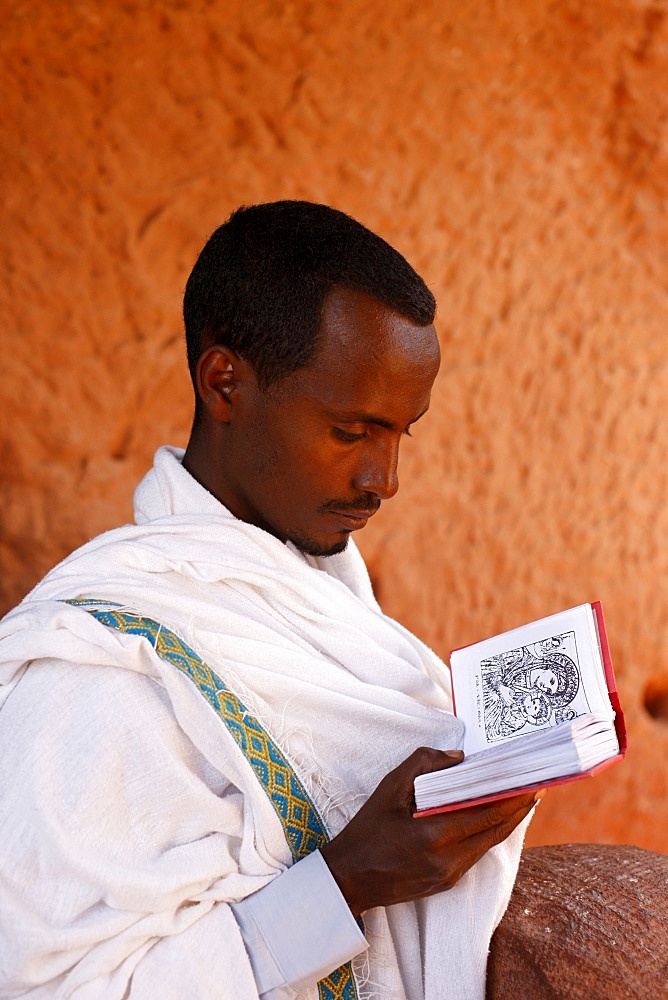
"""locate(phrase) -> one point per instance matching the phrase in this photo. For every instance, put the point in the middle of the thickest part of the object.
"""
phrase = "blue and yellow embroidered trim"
(302, 824)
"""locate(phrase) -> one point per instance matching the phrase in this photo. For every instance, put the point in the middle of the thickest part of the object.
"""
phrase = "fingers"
(477, 819)
(471, 849)
(479, 843)
(497, 810)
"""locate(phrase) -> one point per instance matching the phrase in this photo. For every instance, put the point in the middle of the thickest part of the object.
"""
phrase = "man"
(209, 730)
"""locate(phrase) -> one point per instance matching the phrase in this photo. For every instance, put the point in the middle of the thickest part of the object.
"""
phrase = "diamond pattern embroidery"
(303, 827)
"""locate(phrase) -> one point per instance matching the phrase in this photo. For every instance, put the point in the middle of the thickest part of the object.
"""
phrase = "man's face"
(313, 456)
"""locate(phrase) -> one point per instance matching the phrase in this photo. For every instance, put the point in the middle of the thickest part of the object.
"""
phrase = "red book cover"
(620, 729)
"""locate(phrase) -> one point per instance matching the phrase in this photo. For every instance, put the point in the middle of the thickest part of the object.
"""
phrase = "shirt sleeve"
(297, 929)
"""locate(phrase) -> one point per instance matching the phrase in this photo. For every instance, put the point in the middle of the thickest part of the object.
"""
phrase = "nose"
(377, 471)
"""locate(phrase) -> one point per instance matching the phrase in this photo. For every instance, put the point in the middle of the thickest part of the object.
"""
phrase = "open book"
(539, 705)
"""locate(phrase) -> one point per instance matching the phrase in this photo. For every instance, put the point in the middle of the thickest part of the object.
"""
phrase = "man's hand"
(385, 855)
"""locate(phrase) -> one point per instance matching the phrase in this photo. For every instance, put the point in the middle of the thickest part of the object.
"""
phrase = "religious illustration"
(530, 687)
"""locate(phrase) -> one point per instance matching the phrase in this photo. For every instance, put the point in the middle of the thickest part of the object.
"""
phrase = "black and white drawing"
(531, 687)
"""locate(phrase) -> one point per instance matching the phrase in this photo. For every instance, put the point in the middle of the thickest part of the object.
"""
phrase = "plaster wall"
(516, 152)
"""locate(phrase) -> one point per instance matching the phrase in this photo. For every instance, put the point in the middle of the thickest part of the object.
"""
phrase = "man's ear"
(220, 372)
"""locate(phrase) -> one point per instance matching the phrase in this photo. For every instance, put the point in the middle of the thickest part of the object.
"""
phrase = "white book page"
(531, 678)
(532, 758)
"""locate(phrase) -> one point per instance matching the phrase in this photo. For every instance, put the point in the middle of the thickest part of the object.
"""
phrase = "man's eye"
(348, 436)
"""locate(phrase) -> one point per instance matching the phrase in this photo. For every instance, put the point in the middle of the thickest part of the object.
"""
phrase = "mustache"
(363, 504)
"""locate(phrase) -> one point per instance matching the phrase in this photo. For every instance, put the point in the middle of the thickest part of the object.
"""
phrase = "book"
(539, 706)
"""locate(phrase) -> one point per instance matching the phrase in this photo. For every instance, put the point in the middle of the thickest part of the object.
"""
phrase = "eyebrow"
(369, 418)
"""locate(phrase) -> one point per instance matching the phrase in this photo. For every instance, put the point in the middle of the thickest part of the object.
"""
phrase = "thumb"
(396, 790)
(426, 759)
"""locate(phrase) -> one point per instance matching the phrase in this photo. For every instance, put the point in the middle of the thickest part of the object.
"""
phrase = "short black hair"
(260, 283)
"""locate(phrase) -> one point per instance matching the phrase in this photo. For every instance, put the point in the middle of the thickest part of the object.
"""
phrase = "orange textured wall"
(516, 152)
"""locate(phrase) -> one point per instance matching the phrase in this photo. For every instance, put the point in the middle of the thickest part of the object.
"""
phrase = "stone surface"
(585, 922)
(516, 152)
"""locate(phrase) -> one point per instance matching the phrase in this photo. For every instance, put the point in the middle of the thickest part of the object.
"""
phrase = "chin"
(310, 547)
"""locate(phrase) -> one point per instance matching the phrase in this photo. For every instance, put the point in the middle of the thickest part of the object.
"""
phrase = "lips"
(353, 519)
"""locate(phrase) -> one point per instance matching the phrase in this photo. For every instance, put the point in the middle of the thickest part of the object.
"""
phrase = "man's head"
(260, 283)
(312, 353)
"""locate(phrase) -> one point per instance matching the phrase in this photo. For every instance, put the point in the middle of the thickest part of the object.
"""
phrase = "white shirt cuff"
(297, 929)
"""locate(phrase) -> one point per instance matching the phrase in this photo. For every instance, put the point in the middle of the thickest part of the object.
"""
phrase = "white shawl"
(130, 817)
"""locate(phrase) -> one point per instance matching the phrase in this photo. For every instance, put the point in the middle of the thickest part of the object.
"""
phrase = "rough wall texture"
(516, 152)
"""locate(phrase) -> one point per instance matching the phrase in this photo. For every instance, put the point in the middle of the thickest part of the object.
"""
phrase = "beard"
(309, 547)
(364, 504)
